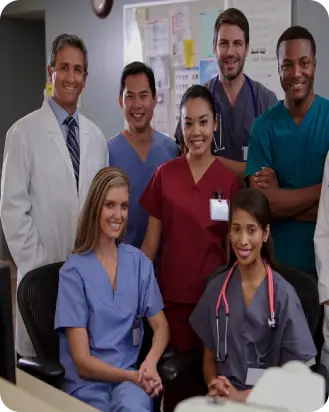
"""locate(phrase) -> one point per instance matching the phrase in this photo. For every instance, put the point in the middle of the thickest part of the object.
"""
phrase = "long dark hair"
(256, 204)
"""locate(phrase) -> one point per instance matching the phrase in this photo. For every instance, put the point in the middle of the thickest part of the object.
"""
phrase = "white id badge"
(219, 210)
(253, 375)
(245, 153)
(137, 332)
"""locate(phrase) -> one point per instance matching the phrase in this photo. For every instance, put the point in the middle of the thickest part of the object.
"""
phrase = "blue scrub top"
(297, 154)
(124, 156)
(86, 300)
(249, 338)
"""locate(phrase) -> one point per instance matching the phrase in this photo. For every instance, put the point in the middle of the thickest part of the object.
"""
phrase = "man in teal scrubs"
(287, 151)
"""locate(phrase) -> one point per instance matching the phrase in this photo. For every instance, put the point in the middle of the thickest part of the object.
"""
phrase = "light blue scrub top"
(250, 341)
(86, 300)
(297, 154)
(124, 156)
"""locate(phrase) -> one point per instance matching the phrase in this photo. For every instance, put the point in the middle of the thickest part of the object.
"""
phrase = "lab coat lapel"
(85, 138)
(56, 135)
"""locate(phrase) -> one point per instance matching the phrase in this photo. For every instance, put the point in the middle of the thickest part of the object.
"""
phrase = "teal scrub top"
(297, 154)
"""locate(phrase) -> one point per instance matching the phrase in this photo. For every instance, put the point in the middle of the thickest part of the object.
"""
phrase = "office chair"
(7, 346)
(36, 298)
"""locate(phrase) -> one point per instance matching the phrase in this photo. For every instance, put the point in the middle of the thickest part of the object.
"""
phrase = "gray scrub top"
(249, 339)
(237, 120)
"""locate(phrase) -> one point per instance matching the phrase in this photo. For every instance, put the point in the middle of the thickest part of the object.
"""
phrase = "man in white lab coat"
(50, 159)
(321, 245)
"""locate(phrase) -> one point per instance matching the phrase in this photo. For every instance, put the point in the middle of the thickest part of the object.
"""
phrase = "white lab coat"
(39, 202)
(321, 245)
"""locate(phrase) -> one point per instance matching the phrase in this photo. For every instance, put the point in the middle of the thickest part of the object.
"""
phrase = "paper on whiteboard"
(267, 20)
(161, 113)
(180, 31)
(207, 22)
(184, 78)
(157, 37)
(159, 65)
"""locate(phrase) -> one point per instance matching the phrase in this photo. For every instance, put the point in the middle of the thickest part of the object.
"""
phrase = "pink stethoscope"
(222, 295)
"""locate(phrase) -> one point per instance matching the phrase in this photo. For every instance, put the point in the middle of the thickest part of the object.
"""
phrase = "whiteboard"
(267, 20)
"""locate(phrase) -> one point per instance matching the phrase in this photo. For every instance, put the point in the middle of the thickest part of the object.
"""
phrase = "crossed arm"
(299, 204)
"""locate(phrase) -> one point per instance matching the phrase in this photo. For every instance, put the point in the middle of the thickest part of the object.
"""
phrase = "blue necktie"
(73, 146)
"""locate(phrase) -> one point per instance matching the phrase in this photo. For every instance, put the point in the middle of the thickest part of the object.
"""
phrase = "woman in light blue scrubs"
(249, 317)
(105, 290)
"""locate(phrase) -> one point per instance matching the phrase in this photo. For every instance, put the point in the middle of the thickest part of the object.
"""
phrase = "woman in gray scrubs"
(249, 317)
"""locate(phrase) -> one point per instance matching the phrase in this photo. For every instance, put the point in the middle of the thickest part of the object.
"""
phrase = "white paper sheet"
(180, 31)
(157, 37)
(161, 113)
(159, 65)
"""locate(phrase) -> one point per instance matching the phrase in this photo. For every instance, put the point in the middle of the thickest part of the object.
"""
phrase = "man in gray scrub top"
(239, 99)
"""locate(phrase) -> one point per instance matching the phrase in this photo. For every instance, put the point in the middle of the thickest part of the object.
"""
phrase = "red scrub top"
(192, 244)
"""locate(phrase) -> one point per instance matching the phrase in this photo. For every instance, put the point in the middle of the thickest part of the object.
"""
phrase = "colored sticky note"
(189, 53)
(49, 89)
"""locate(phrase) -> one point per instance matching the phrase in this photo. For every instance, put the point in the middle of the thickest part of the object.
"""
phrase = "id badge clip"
(219, 208)
(137, 331)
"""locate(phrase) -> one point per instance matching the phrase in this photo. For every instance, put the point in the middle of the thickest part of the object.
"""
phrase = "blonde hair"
(88, 226)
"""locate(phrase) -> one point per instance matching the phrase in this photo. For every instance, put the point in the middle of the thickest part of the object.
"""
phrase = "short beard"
(234, 76)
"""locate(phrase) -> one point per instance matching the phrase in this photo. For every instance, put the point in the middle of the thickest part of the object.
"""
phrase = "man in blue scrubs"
(139, 149)
(288, 148)
(239, 99)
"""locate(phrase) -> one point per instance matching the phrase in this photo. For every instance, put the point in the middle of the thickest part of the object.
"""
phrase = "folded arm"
(290, 203)
(20, 231)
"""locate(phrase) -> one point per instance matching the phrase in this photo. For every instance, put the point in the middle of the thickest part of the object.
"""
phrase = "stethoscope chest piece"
(272, 323)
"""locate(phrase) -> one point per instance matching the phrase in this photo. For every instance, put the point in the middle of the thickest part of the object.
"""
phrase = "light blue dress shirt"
(61, 115)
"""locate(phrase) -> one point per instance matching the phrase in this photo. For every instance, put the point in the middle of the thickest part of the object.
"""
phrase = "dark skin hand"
(266, 178)
(222, 387)
(266, 181)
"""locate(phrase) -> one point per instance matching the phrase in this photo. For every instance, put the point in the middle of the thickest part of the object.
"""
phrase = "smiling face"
(231, 50)
(296, 65)
(247, 237)
(137, 102)
(198, 125)
(114, 212)
(68, 77)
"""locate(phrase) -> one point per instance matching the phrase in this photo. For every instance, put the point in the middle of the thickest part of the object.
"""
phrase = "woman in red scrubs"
(177, 200)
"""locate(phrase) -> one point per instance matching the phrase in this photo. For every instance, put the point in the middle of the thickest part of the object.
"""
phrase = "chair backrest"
(306, 286)
(36, 298)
